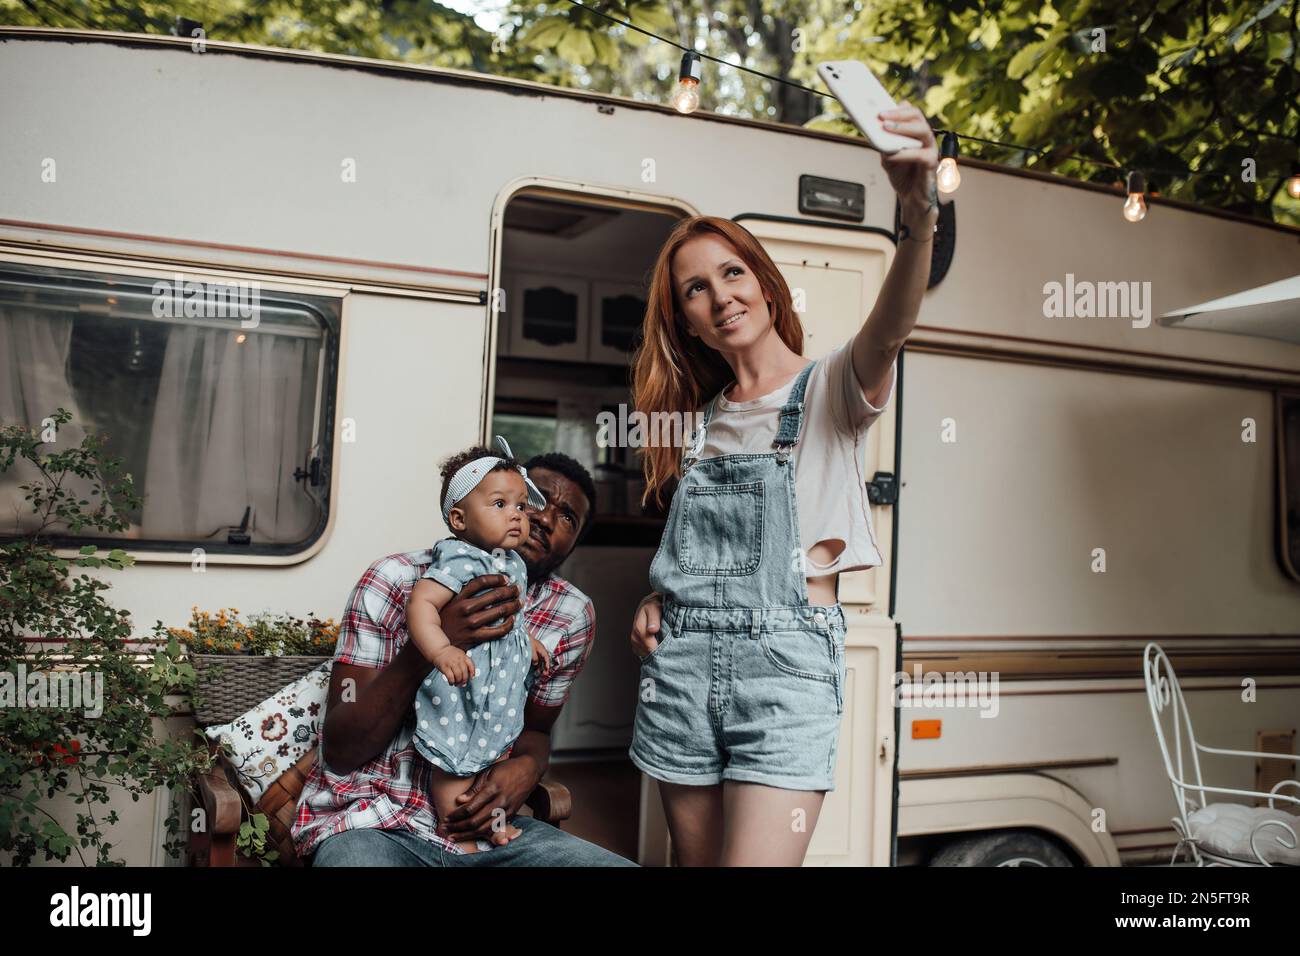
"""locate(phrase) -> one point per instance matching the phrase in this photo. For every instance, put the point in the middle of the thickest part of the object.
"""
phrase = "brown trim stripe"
(1100, 348)
(1057, 638)
(1118, 690)
(1094, 663)
(251, 250)
(1142, 370)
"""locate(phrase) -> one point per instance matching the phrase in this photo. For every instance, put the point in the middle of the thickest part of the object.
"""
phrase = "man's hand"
(505, 785)
(482, 602)
(645, 625)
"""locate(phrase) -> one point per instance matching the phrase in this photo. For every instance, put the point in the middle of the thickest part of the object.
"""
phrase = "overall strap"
(691, 450)
(791, 416)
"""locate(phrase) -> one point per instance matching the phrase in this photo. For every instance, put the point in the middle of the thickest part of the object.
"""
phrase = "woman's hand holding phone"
(898, 130)
(912, 171)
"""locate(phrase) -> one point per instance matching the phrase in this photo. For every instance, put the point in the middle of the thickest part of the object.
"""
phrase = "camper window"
(213, 392)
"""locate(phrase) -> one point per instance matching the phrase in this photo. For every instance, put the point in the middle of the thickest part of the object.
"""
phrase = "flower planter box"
(232, 684)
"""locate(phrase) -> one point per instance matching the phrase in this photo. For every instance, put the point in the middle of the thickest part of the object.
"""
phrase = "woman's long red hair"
(672, 370)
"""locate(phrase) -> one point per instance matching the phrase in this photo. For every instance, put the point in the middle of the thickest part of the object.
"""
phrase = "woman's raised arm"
(912, 174)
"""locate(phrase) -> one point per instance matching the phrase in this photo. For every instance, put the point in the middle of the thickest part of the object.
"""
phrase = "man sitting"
(366, 802)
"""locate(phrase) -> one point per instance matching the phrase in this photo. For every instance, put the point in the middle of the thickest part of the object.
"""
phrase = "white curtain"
(34, 347)
(232, 421)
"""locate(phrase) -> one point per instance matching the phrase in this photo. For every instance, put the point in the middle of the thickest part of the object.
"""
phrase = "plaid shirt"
(392, 790)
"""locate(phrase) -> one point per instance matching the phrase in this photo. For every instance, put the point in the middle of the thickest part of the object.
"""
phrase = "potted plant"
(238, 665)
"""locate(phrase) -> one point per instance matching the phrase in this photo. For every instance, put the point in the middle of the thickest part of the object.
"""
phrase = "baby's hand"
(541, 657)
(454, 664)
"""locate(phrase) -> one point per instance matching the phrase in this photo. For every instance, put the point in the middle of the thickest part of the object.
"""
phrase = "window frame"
(328, 387)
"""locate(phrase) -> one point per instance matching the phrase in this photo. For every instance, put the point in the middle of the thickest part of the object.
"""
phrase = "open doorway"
(576, 276)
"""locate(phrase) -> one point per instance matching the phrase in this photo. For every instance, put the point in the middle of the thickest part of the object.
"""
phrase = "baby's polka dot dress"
(461, 730)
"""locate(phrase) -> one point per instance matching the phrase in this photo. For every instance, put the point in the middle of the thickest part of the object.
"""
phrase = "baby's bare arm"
(422, 618)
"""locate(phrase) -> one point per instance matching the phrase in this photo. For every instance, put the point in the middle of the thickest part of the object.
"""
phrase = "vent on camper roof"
(549, 218)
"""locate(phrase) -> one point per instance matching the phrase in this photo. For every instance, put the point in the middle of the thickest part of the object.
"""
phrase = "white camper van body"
(1071, 487)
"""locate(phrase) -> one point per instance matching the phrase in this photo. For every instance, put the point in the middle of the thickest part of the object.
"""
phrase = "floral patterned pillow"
(270, 738)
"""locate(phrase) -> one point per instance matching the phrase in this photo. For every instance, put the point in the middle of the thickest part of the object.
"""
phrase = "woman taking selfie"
(742, 640)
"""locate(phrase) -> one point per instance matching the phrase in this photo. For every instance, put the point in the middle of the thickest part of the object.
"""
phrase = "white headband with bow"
(469, 475)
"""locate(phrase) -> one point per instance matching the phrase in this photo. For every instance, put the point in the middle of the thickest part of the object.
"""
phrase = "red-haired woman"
(742, 640)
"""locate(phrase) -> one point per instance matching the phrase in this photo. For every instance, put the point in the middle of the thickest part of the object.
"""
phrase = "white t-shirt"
(830, 486)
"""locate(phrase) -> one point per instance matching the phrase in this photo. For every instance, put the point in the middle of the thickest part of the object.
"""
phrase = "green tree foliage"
(416, 31)
(103, 735)
(1171, 87)
(1168, 87)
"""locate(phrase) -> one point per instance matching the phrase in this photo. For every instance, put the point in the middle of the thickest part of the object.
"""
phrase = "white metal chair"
(1217, 834)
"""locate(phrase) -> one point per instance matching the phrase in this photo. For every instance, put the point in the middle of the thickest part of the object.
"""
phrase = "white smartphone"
(863, 97)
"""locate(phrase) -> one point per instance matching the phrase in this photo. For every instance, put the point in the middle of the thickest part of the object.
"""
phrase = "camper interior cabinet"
(617, 313)
(548, 316)
(570, 318)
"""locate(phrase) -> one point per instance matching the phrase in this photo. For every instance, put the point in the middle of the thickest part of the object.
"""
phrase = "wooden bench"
(223, 800)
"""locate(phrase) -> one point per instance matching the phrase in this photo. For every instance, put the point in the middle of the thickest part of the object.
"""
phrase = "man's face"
(553, 531)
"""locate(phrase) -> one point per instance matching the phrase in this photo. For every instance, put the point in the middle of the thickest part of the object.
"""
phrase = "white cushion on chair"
(1224, 829)
(269, 739)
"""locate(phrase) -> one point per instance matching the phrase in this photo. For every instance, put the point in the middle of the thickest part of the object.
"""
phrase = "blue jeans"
(540, 845)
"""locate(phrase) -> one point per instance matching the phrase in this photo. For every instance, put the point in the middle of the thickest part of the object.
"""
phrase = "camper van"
(1063, 475)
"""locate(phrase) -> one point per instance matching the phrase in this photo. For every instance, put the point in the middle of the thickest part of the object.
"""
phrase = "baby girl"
(470, 709)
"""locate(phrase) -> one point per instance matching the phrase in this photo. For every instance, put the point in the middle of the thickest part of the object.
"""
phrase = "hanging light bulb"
(686, 98)
(1135, 206)
(1293, 184)
(948, 176)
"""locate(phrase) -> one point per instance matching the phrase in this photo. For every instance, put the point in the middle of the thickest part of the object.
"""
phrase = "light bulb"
(947, 176)
(686, 98)
(1135, 206)
(1293, 186)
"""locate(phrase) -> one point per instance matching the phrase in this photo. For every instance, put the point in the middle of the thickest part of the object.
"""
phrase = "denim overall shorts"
(747, 681)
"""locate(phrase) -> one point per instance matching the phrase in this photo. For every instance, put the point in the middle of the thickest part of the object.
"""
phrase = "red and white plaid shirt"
(392, 790)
